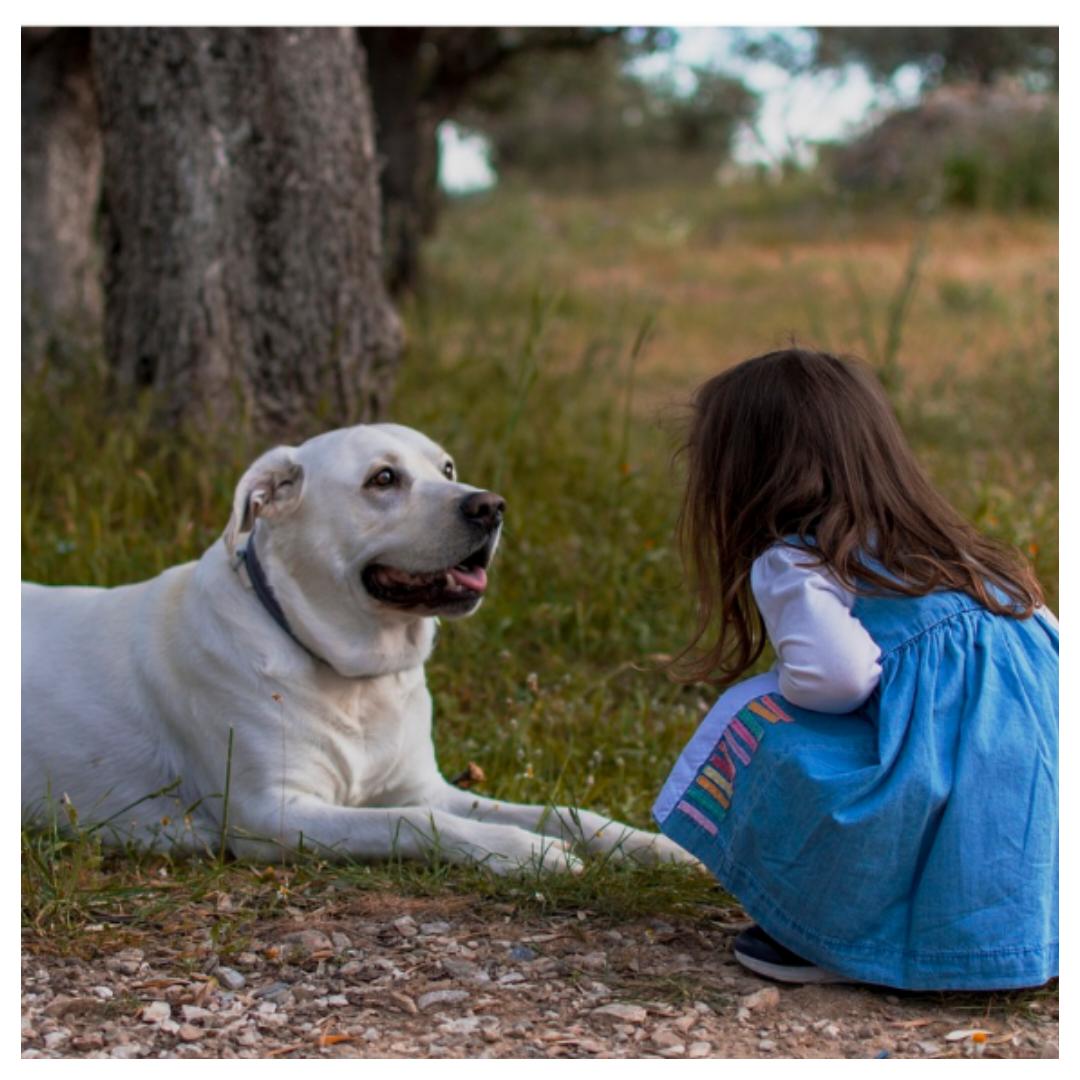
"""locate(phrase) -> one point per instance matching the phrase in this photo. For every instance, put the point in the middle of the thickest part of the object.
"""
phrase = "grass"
(551, 353)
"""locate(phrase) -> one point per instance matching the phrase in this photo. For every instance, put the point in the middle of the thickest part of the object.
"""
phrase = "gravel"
(384, 976)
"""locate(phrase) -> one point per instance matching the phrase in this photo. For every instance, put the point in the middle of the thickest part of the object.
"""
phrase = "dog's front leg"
(594, 832)
(269, 831)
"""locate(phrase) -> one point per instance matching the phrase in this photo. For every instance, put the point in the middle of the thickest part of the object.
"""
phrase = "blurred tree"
(421, 76)
(944, 54)
(559, 120)
(242, 224)
(61, 177)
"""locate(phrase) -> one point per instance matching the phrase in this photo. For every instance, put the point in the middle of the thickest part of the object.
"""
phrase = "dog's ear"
(271, 487)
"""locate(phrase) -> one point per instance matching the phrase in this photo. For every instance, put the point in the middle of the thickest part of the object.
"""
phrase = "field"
(553, 352)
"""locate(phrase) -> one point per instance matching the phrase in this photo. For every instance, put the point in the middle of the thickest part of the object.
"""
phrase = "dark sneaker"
(763, 955)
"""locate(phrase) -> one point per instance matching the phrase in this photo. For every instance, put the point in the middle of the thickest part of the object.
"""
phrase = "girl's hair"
(801, 443)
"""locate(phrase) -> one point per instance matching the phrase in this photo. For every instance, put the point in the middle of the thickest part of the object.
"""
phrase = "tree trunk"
(61, 184)
(400, 70)
(242, 224)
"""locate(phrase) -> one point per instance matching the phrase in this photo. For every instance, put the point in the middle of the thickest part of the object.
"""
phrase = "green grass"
(551, 353)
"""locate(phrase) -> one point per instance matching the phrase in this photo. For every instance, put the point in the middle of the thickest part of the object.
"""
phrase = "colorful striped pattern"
(706, 801)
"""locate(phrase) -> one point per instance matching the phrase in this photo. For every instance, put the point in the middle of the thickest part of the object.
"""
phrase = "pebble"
(442, 997)
(766, 1045)
(156, 1012)
(465, 970)
(230, 978)
(768, 997)
(928, 1047)
(128, 1050)
(307, 941)
(189, 1033)
(622, 1012)
(127, 961)
(699, 1049)
(522, 952)
(192, 1013)
(274, 991)
(663, 1037)
(56, 1038)
(435, 928)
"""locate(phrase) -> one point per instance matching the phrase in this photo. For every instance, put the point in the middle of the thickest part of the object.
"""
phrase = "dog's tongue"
(475, 579)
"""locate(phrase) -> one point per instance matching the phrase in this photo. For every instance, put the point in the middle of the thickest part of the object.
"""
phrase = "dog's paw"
(650, 849)
(521, 851)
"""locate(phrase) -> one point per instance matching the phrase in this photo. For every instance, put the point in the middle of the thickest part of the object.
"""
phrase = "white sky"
(793, 113)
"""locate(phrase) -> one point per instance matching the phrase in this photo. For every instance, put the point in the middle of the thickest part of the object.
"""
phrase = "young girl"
(883, 802)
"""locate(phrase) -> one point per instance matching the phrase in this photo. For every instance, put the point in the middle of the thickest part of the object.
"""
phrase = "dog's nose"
(483, 508)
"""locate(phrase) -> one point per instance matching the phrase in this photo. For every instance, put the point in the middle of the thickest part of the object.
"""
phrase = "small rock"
(593, 961)
(685, 1022)
(307, 941)
(341, 941)
(929, 1047)
(337, 1001)
(510, 978)
(404, 1002)
(663, 1038)
(189, 1033)
(56, 1038)
(522, 952)
(678, 1050)
(128, 1050)
(435, 928)
(350, 968)
(768, 997)
(127, 961)
(92, 1040)
(462, 1025)
(275, 991)
(155, 1012)
(621, 1012)
(406, 926)
(191, 1013)
(766, 1045)
(441, 997)
(170, 1027)
(699, 1049)
(465, 970)
(61, 1005)
(230, 978)
(103, 992)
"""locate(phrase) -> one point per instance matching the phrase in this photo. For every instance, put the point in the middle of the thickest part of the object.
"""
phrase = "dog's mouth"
(456, 587)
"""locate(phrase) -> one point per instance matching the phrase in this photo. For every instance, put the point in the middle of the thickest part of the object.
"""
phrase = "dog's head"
(365, 526)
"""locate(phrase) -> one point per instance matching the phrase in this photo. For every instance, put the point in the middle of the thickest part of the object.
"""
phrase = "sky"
(794, 112)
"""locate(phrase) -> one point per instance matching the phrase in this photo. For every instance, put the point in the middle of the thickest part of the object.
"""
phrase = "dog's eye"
(383, 478)
(448, 470)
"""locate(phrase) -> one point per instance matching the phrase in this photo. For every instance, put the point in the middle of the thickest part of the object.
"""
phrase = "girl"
(883, 802)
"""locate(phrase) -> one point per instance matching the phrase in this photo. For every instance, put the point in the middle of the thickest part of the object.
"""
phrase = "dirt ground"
(389, 977)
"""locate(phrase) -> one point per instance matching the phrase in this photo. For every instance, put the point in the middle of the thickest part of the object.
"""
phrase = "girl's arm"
(827, 660)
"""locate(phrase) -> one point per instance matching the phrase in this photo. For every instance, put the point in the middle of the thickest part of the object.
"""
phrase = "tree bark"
(61, 183)
(242, 224)
(400, 62)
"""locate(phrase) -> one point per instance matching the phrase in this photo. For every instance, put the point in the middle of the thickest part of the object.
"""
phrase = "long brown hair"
(802, 443)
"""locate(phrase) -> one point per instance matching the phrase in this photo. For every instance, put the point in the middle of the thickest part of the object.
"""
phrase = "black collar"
(265, 594)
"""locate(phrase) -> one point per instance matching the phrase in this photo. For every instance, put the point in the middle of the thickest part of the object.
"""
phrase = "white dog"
(271, 696)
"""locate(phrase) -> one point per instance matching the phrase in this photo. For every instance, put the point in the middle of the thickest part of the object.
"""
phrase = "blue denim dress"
(911, 843)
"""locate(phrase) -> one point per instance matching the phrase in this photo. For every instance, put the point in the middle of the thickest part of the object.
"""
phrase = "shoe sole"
(783, 973)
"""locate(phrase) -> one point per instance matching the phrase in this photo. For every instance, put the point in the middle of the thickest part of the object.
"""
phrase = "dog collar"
(265, 593)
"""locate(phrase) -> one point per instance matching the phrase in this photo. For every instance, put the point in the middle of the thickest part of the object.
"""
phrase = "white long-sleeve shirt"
(826, 661)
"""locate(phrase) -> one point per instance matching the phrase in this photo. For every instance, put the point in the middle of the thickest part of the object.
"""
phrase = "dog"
(270, 697)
